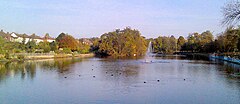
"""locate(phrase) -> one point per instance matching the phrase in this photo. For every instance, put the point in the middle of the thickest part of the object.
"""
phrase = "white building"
(20, 38)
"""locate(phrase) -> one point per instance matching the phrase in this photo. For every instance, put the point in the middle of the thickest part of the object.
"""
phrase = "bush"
(57, 51)
(1, 56)
(7, 56)
(20, 57)
(17, 50)
(67, 50)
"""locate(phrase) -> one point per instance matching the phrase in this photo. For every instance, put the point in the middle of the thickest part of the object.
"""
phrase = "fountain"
(149, 52)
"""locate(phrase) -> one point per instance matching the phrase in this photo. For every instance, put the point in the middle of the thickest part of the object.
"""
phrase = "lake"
(162, 80)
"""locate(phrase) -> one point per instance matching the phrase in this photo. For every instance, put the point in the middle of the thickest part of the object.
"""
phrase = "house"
(15, 37)
(39, 39)
(48, 38)
(85, 41)
(23, 37)
(36, 38)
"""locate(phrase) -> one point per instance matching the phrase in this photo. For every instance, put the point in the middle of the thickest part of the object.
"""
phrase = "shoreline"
(46, 56)
(210, 56)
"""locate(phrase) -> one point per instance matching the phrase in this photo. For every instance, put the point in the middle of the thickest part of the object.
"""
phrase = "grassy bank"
(36, 56)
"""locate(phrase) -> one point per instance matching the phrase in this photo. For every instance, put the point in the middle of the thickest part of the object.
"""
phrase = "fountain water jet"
(149, 52)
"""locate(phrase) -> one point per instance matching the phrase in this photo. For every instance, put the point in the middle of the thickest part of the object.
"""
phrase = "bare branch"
(231, 13)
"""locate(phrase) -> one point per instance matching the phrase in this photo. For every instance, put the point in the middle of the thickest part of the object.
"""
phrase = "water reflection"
(110, 67)
(229, 68)
(28, 69)
(61, 65)
(12, 69)
(120, 68)
(102, 80)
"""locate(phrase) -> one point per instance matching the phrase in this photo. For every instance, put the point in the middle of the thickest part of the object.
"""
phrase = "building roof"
(48, 37)
(16, 35)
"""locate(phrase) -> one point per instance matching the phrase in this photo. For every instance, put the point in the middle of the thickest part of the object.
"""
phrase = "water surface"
(163, 80)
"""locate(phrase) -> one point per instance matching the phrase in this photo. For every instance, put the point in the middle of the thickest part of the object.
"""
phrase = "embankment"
(207, 56)
(35, 56)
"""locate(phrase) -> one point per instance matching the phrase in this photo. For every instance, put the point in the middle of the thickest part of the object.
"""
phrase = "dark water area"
(156, 80)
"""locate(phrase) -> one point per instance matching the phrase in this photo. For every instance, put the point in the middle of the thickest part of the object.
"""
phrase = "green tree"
(157, 44)
(54, 46)
(180, 42)
(231, 40)
(173, 44)
(45, 46)
(95, 45)
(2, 42)
(206, 41)
(165, 46)
(31, 46)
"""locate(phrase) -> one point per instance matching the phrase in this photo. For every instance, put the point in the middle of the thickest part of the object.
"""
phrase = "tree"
(173, 44)
(95, 46)
(122, 43)
(31, 46)
(231, 13)
(206, 41)
(165, 46)
(47, 35)
(231, 40)
(180, 42)
(67, 41)
(157, 45)
(228, 41)
(54, 46)
(220, 43)
(2, 42)
(45, 46)
(60, 37)
(193, 43)
(84, 48)
(206, 37)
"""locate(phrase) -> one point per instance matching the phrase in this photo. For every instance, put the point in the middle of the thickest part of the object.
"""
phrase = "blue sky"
(92, 18)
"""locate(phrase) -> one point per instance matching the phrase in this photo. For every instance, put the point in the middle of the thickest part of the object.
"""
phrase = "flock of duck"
(112, 75)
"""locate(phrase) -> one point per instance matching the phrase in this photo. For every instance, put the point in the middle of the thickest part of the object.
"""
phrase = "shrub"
(67, 50)
(20, 57)
(7, 56)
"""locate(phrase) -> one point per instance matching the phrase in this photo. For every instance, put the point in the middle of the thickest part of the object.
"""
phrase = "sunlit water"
(123, 81)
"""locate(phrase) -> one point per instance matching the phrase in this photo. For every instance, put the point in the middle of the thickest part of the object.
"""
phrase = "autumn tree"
(60, 37)
(122, 43)
(67, 41)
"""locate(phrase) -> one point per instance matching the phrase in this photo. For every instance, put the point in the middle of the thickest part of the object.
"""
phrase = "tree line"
(129, 42)
(228, 41)
(64, 43)
(120, 43)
